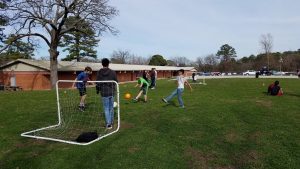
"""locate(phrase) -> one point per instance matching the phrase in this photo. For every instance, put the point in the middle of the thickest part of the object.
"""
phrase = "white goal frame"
(27, 134)
(198, 77)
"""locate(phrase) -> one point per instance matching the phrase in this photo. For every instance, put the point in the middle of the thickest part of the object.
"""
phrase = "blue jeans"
(177, 92)
(108, 107)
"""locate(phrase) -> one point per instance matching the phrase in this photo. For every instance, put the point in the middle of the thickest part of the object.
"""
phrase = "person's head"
(276, 83)
(145, 74)
(180, 72)
(88, 70)
(105, 62)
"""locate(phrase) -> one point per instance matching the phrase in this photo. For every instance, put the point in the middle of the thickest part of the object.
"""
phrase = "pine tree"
(3, 21)
(17, 50)
(79, 44)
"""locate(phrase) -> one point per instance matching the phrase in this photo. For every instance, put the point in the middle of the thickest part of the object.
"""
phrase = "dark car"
(264, 71)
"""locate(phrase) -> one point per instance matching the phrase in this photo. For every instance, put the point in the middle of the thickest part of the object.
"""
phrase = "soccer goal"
(73, 121)
(198, 79)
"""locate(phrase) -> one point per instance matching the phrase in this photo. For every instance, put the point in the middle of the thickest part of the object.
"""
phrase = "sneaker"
(182, 107)
(81, 108)
(152, 88)
(134, 99)
(164, 100)
(109, 127)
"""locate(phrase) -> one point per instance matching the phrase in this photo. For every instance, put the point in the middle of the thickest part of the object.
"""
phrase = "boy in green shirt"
(143, 84)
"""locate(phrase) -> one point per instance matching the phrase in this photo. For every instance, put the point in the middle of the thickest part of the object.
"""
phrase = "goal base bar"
(27, 134)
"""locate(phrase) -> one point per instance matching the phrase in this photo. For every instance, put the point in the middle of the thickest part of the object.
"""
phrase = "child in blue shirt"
(81, 86)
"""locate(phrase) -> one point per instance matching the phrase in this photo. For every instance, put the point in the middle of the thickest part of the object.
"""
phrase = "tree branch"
(20, 36)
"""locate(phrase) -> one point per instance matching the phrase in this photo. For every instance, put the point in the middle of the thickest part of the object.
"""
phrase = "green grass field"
(228, 124)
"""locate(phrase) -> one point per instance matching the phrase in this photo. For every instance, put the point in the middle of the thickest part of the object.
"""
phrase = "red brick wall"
(29, 80)
(41, 80)
(164, 74)
(122, 76)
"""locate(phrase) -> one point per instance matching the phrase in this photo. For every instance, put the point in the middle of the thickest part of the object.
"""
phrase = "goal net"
(199, 78)
(76, 123)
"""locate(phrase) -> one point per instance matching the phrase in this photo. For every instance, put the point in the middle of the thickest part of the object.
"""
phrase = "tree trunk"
(53, 66)
(77, 41)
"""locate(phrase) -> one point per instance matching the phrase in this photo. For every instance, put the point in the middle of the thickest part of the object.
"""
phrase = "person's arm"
(73, 85)
(91, 83)
(136, 85)
(116, 79)
(188, 84)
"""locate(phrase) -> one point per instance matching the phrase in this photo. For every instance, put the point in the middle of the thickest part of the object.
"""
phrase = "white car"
(249, 72)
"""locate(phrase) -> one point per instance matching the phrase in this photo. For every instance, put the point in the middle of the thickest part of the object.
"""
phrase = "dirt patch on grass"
(38, 142)
(231, 101)
(20, 145)
(193, 136)
(231, 137)
(133, 149)
(32, 142)
(255, 135)
(183, 120)
(249, 158)
(225, 167)
(264, 103)
(125, 125)
(198, 159)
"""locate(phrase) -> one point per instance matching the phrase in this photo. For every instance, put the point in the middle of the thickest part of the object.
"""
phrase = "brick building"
(35, 74)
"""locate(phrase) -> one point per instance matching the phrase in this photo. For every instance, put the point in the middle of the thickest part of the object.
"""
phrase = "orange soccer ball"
(127, 96)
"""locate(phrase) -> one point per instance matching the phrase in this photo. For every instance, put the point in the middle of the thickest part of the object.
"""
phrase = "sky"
(194, 28)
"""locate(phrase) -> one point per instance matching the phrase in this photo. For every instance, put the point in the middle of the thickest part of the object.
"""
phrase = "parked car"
(206, 73)
(265, 71)
(249, 72)
(203, 73)
(291, 73)
(215, 73)
(277, 73)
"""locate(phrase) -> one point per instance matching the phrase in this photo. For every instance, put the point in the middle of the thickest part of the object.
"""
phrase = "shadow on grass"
(292, 94)
(286, 94)
(171, 103)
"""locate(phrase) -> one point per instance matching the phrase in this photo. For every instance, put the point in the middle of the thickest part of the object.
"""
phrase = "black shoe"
(81, 108)
(109, 127)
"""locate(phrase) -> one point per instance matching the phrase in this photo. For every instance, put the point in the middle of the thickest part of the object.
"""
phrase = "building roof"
(79, 66)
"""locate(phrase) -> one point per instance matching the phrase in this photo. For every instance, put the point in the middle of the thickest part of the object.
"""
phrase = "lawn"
(227, 124)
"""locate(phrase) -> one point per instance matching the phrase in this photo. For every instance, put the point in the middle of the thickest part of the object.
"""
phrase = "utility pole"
(280, 61)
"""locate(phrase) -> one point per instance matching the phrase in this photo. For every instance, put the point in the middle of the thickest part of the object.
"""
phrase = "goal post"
(199, 78)
(73, 121)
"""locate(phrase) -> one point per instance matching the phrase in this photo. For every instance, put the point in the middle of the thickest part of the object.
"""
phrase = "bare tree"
(46, 19)
(266, 43)
(138, 60)
(181, 61)
(210, 62)
(199, 63)
(120, 56)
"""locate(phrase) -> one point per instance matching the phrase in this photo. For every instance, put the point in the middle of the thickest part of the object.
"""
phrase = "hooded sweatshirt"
(106, 89)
